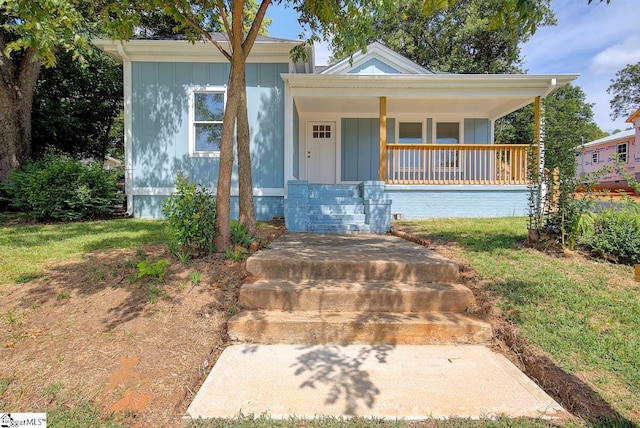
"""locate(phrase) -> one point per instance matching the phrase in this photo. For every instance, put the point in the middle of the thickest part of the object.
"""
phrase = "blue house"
(336, 149)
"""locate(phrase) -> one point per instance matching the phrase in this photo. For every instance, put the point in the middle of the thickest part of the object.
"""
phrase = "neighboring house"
(597, 154)
(381, 134)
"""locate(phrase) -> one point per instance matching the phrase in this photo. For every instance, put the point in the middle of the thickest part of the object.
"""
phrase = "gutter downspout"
(128, 135)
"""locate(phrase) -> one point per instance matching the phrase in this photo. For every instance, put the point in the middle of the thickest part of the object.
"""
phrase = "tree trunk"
(17, 84)
(223, 193)
(247, 216)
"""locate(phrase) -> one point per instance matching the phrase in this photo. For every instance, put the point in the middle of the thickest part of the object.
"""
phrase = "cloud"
(617, 56)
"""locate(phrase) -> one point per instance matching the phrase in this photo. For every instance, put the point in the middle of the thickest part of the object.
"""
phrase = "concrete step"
(329, 190)
(336, 200)
(323, 209)
(320, 264)
(312, 328)
(337, 218)
(351, 296)
(338, 227)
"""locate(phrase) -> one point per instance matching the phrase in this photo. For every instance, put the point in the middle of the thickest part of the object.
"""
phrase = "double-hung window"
(595, 158)
(622, 151)
(206, 111)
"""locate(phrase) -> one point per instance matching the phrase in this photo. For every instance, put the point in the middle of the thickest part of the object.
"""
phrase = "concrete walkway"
(407, 382)
(379, 375)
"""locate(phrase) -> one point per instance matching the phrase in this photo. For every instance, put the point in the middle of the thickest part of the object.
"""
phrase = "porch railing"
(456, 163)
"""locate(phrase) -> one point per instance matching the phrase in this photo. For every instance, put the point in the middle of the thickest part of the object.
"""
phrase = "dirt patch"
(93, 331)
(570, 391)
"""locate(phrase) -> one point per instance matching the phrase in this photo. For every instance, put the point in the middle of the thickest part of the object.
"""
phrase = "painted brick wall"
(150, 207)
(457, 201)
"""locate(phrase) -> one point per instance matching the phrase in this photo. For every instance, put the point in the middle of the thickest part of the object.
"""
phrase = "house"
(598, 154)
(337, 150)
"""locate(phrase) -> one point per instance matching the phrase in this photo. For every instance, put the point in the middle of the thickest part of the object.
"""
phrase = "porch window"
(206, 111)
(622, 152)
(410, 132)
(447, 133)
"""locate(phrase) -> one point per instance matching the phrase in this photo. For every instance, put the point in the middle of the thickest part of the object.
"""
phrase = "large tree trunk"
(247, 211)
(223, 193)
(17, 83)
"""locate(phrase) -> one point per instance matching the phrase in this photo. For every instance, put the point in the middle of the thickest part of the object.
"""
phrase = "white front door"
(321, 152)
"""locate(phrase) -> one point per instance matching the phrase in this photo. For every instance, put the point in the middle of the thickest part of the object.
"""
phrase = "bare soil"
(92, 331)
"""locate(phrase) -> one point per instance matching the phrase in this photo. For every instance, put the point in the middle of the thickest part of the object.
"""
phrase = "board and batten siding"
(374, 66)
(160, 128)
(361, 147)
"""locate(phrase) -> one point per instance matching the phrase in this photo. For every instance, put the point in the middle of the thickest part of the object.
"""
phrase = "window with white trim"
(622, 151)
(206, 111)
(594, 158)
(410, 132)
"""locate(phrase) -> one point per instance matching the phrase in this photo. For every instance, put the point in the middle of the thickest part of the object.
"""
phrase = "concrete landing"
(393, 382)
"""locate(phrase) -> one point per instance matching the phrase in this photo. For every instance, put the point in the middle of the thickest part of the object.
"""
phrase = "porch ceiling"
(490, 96)
(492, 108)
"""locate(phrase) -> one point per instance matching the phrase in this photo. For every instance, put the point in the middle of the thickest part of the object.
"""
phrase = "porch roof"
(473, 95)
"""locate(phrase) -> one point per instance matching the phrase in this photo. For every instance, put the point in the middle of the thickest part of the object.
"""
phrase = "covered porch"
(435, 129)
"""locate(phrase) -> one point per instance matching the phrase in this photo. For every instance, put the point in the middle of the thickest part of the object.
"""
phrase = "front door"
(321, 152)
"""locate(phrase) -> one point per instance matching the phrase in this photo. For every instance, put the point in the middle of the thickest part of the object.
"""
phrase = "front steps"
(374, 289)
(337, 208)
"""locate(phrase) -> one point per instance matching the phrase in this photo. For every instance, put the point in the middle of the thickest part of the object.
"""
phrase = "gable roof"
(376, 54)
(633, 116)
(611, 138)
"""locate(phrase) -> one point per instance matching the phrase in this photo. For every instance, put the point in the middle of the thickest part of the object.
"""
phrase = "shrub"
(617, 234)
(61, 188)
(191, 218)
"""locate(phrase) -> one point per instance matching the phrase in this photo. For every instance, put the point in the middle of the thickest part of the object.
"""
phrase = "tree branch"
(192, 23)
(255, 27)
(225, 17)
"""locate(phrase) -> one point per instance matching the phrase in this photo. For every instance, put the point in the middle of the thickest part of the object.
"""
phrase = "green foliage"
(617, 234)
(625, 89)
(60, 188)
(240, 235)
(568, 118)
(195, 277)
(43, 27)
(75, 106)
(235, 254)
(191, 218)
(155, 270)
(466, 36)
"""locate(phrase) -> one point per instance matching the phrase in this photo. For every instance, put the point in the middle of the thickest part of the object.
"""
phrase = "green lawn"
(584, 313)
(26, 249)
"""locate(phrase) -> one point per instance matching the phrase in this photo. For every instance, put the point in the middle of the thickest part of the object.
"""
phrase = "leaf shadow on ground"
(342, 374)
(99, 274)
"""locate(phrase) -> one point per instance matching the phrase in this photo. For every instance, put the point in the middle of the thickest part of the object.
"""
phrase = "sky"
(593, 40)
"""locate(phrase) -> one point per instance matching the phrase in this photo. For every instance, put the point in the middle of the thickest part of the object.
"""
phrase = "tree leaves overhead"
(469, 36)
(568, 119)
(44, 26)
(625, 89)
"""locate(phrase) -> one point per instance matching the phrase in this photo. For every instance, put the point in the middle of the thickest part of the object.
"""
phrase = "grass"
(26, 249)
(263, 421)
(584, 313)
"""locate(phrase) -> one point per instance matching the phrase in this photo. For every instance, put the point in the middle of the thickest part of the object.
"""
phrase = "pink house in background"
(597, 154)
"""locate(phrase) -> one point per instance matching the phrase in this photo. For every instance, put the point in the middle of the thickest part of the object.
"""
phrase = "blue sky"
(593, 40)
